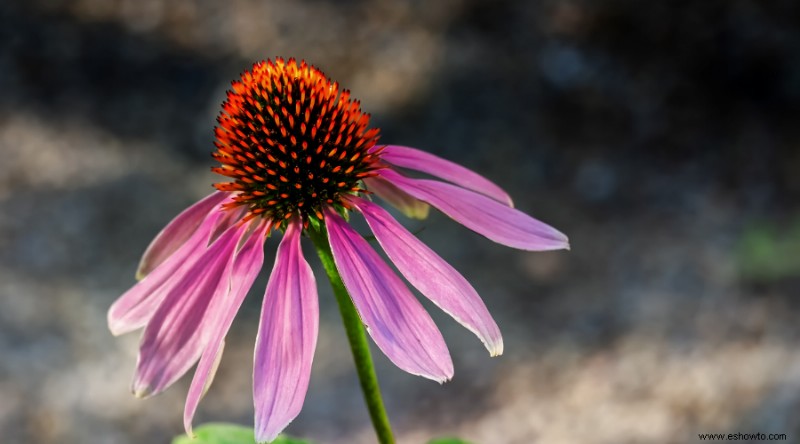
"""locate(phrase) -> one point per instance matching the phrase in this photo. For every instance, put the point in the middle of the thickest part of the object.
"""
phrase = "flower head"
(293, 143)
(301, 156)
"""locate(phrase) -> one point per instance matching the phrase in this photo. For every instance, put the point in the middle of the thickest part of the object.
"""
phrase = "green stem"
(357, 338)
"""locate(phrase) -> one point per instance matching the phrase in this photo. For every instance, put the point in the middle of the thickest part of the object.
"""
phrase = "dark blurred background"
(661, 136)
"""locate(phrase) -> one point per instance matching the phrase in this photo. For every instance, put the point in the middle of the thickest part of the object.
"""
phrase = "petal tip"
(141, 392)
(268, 435)
(445, 374)
(440, 376)
(496, 352)
(561, 240)
(114, 325)
(420, 213)
(495, 349)
(189, 431)
(119, 326)
(556, 241)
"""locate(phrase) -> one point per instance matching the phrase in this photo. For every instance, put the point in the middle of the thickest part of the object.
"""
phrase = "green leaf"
(448, 441)
(222, 433)
(769, 251)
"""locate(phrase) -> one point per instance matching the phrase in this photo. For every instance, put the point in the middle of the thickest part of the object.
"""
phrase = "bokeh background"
(661, 136)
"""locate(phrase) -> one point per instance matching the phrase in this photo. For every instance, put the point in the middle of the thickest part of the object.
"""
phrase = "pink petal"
(230, 217)
(178, 231)
(178, 331)
(432, 276)
(244, 269)
(497, 222)
(394, 318)
(415, 159)
(411, 207)
(287, 337)
(135, 308)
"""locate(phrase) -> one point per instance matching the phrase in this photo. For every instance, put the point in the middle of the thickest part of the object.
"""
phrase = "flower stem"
(357, 338)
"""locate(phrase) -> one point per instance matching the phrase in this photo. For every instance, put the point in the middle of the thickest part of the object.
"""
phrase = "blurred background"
(661, 137)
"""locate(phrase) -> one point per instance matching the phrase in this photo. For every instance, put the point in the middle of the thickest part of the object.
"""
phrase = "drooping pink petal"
(178, 231)
(176, 334)
(226, 302)
(287, 338)
(485, 216)
(414, 159)
(411, 207)
(431, 275)
(394, 318)
(136, 306)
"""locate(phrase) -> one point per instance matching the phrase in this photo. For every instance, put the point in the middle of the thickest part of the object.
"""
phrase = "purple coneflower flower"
(301, 155)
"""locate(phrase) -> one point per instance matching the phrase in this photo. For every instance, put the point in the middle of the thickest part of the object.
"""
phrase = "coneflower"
(301, 158)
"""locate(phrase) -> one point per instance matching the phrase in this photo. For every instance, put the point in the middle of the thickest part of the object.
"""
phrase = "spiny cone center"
(292, 141)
